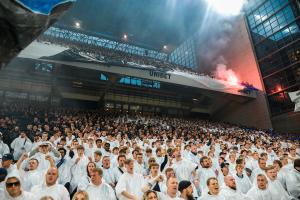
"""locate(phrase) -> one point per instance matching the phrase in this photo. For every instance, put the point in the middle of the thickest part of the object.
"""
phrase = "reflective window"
(264, 11)
(185, 55)
(274, 24)
(278, 40)
(282, 80)
(275, 34)
(284, 58)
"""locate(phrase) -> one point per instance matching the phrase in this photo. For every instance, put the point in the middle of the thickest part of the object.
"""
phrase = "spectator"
(13, 189)
(97, 189)
(7, 163)
(51, 187)
(260, 190)
(186, 190)
(293, 180)
(213, 190)
(20, 145)
(81, 195)
(4, 149)
(150, 195)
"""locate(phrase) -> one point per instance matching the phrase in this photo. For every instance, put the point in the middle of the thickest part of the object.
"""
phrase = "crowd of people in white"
(88, 155)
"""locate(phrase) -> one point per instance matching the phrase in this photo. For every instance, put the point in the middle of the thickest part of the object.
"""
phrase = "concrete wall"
(241, 59)
(253, 113)
(287, 123)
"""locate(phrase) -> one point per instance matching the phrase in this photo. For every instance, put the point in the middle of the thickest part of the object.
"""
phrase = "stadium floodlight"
(227, 8)
(125, 36)
(77, 24)
(165, 47)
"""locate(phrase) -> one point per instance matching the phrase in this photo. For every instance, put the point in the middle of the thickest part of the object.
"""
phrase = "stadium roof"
(148, 23)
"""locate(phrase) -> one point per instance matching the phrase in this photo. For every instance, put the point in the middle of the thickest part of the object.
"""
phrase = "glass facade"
(185, 55)
(274, 28)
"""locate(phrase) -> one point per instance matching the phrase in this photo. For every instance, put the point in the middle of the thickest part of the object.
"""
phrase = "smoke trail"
(214, 37)
(225, 74)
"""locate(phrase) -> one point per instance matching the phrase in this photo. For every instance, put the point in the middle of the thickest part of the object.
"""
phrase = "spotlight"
(125, 37)
(165, 47)
(77, 25)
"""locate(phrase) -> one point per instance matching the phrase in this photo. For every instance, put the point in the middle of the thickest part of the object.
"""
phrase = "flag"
(295, 97)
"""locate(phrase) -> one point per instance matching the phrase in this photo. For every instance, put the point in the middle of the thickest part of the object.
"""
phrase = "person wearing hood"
(13, 189)
(260, 189)
(50, 187)
(213, 190)
(293, 180)
(277, 190)
(230, 191)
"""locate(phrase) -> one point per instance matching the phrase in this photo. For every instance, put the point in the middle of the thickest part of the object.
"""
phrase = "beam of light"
(227, 7)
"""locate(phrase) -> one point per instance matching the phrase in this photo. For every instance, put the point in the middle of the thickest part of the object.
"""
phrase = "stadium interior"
(162, 74)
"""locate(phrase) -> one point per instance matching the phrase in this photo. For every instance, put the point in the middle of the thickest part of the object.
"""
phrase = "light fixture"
(77, 24)
(125, 36)
(165, 47)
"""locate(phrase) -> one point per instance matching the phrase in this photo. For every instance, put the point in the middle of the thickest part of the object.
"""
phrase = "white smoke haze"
(225, 74)
(214, 38)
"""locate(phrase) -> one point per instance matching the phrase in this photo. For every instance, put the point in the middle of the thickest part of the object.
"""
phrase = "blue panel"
(122, 80)
(133, 81)
(103, 77)
(42, 6)
(127, 80)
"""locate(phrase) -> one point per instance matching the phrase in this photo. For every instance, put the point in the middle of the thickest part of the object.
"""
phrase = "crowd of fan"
(65, 154)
